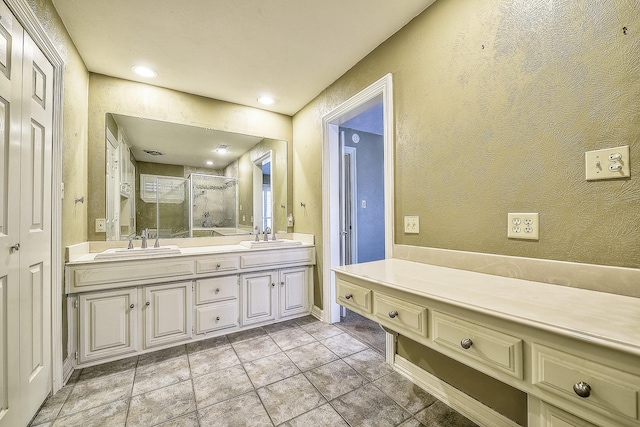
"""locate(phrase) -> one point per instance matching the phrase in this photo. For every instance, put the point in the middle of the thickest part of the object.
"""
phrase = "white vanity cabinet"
(293, 298)
(272, 295)
(578, 363)
(216, 301)
(107, 324)
(259, 293)
(132, 306)
(167, 313)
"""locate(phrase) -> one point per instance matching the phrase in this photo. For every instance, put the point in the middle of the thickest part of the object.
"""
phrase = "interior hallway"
(296, 373)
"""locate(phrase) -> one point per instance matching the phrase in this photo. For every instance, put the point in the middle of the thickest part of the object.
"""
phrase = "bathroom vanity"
(123, 303)
(574, 352)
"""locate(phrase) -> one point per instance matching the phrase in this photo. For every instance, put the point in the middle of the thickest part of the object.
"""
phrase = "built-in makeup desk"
(574, 352)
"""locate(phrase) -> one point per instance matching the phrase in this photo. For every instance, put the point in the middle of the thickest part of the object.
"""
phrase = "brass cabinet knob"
(466, 343)
(131, 306)
(582, 389)
(147, 303)
(348, 296)
(393, 313)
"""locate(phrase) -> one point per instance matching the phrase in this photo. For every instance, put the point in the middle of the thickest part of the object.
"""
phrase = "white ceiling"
(234, 50)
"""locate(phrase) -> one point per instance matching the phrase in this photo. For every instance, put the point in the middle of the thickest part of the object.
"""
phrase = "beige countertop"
(597, 317)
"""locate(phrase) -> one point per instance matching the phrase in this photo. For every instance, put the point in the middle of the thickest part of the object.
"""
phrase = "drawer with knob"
(353, 296)
(218, 264)
(401, 316)
(213, 317)
(216, 289)
(478, 346)
(588, 384)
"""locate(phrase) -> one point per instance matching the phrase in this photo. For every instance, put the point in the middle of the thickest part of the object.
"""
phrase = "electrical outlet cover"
(523, 226)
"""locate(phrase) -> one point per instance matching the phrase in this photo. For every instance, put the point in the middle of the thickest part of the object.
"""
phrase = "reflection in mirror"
(184, 181)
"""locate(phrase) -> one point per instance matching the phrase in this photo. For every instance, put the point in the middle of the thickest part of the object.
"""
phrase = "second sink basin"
(282, 243)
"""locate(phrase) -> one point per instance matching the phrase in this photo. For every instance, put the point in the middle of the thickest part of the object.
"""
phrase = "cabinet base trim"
(451, 396)
(317, 312)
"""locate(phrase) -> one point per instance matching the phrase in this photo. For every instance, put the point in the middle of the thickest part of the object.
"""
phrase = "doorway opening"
(338, 244)
(262, 194)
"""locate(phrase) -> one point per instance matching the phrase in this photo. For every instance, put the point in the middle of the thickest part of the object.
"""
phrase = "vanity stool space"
(574, 353)
(123, 307)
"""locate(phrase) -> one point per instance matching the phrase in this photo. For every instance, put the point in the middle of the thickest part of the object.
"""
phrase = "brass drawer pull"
(217, 290)
(348, 296)
(466, 343)
(582, 389)
(393, 313)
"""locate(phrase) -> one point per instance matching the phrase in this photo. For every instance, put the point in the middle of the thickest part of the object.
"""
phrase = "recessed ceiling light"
(154, 152)
(143, 71)
(209, 163)
(221, 149)
(266, 100)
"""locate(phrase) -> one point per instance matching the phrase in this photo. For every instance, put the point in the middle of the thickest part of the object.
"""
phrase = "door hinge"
(75, 304)
(193, 329)
(76, 355)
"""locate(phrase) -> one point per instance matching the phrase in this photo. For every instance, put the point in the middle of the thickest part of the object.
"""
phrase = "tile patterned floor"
(292, 374)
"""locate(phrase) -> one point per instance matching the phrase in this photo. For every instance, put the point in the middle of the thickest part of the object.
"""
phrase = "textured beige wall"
(495, 103)
(76, 94)
(112, 95)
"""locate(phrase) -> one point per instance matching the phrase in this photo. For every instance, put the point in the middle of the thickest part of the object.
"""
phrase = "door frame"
(383, 88)
(352, 235)
(27, 18)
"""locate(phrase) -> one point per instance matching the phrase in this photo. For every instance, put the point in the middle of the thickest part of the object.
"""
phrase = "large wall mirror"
(179, 181)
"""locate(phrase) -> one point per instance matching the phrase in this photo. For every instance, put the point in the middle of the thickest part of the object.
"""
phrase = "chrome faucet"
(144, 235)
(267, 231)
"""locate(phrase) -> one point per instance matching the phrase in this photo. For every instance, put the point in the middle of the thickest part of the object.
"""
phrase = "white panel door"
(294, 291)
(259, 297)
(10, 95)
(167, 313)
(35, 227)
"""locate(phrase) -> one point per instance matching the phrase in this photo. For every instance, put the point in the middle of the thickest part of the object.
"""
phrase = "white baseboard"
(451, 396)
(316, 312)
(67, 370)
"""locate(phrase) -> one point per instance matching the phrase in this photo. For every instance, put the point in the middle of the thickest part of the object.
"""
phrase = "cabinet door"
(167, 313)
(294, 291)
(259, 297)
(107, 325)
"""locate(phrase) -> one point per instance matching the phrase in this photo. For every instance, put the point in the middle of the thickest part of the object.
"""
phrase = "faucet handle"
(257, 233)
(130, 246)
(157, 243)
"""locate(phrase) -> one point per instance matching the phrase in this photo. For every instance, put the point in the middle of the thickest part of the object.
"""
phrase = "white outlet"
(412, 224)
(101, 225)
(523, 226)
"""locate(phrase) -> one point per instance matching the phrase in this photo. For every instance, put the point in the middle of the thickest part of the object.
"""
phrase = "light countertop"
(606, 319)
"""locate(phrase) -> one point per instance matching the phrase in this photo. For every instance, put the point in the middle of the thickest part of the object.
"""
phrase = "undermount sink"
(281, 243)
(124, 253)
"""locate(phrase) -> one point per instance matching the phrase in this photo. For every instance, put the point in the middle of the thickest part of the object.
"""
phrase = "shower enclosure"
(213, 205)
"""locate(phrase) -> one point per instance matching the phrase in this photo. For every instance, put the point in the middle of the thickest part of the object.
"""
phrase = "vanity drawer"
(277, 258)
(216, 264)
(216, 289)
(401, 316)
(127, 273)
(216, 316)
(606, 390)
(478, 346)
(353, 296)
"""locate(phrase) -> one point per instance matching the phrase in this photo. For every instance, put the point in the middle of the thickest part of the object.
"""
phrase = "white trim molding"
(451, 396)
(379, 90)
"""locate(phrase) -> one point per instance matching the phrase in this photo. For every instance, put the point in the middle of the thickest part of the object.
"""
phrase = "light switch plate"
(523, 226)
(412, 224)
(609, 163)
